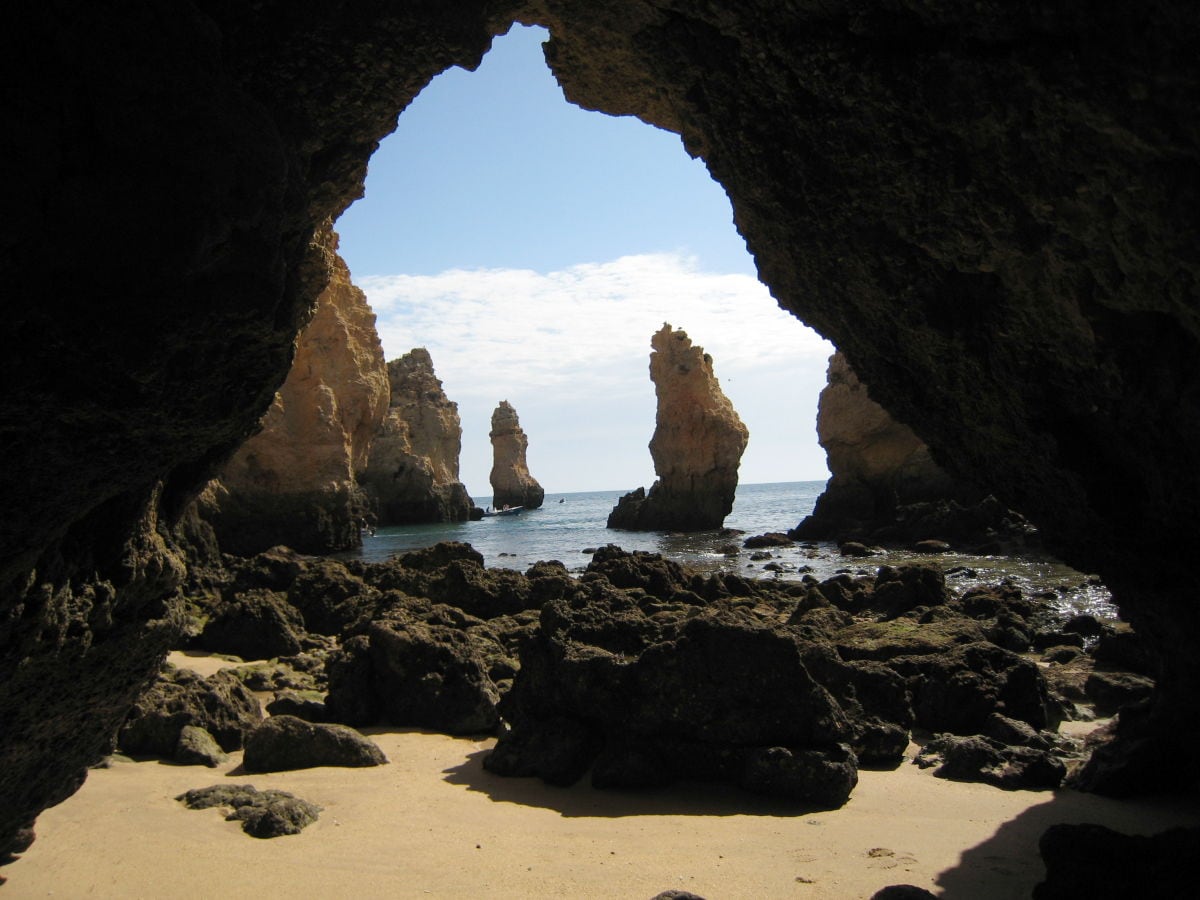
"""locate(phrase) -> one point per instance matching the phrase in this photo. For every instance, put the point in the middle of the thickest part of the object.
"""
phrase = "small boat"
(504, 511)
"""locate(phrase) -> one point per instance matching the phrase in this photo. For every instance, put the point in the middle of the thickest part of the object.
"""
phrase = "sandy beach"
(433, 823)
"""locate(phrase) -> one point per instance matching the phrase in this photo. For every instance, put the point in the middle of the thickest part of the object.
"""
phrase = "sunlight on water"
(569, 526)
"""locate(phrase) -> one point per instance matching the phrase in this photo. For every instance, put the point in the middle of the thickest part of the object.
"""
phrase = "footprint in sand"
(884, 858)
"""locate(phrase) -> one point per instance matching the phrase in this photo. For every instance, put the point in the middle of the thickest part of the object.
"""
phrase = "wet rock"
(770, 539)
(854, 548)
(220, 704)
(197, 747)
(263, 814)
(283, 743)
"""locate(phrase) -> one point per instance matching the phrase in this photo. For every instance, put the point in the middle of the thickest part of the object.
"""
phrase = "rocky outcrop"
(991, 212)
(512, 485)
(411, 475)
(697, 444)
(885, 487)
(294, 482)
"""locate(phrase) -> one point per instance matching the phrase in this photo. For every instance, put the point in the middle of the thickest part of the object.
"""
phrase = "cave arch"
(991, 211)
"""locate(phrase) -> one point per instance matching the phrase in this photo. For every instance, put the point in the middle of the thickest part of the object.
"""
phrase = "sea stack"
(697, 445)
(885, 487)
(411, 474)
(512, 485)
(294, 481)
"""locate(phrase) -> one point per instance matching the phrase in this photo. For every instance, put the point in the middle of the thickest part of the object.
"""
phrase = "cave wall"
(991, 208)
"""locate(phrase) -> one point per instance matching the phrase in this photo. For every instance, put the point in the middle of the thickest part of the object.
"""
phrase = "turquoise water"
(567, 525)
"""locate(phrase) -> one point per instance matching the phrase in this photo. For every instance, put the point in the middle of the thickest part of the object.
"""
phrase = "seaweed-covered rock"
(256, 624)
(307, 706)
(959, 690)
(220, 704)
(263, 814)
(282, 743)
(412, 674)
(197, 747)
(651, 691)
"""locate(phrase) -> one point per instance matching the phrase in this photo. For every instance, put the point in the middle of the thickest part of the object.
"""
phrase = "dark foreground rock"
(985, 759)
(220, 704)
(654, 682)
(1098, 863)
(263, 814)
(413, 674)
(283, 743)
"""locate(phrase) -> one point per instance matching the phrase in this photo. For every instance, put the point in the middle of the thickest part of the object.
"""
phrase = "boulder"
(197, 747)
(697, 444)
(220, 704)
(985, 759)
(412, 674)
(283, 743)
(263, 814)
(257, 624)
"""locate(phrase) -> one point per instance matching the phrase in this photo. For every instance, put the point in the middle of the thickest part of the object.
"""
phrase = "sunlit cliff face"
(991, 213)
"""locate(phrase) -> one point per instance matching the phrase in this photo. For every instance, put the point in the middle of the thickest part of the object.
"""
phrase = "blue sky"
(534, 247)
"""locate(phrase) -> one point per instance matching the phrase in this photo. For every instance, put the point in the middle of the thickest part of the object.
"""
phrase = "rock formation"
(884, 485)
(989, 208)
(411, 475)
(294, 483)
(512, 485)
(697, 445)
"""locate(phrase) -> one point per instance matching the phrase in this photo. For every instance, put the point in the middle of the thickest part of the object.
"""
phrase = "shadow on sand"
(583, 800)
(1010, 856)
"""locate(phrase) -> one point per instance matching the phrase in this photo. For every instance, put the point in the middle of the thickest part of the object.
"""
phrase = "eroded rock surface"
(411, 475)
(989, 210)
(512, 485)
(697, 444)
(295, 482)
(885, 487)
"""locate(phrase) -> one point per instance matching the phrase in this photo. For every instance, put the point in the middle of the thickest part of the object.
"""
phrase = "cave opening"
(533, 247)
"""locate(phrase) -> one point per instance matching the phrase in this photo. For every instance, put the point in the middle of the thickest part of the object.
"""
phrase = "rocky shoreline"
(642, 673)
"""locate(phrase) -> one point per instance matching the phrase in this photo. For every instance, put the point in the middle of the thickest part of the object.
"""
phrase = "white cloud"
(554, 343)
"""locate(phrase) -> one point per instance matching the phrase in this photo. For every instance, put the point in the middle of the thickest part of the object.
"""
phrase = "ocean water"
(569, 526)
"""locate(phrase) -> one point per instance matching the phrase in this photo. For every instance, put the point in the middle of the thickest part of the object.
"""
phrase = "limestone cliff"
(884, 485)
(697, 444)
(512, 485)
(411, 474)
(294, 482)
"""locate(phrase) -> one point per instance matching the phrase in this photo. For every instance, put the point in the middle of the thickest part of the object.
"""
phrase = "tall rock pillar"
(697, 445)
(512, 485)
(411, 475)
